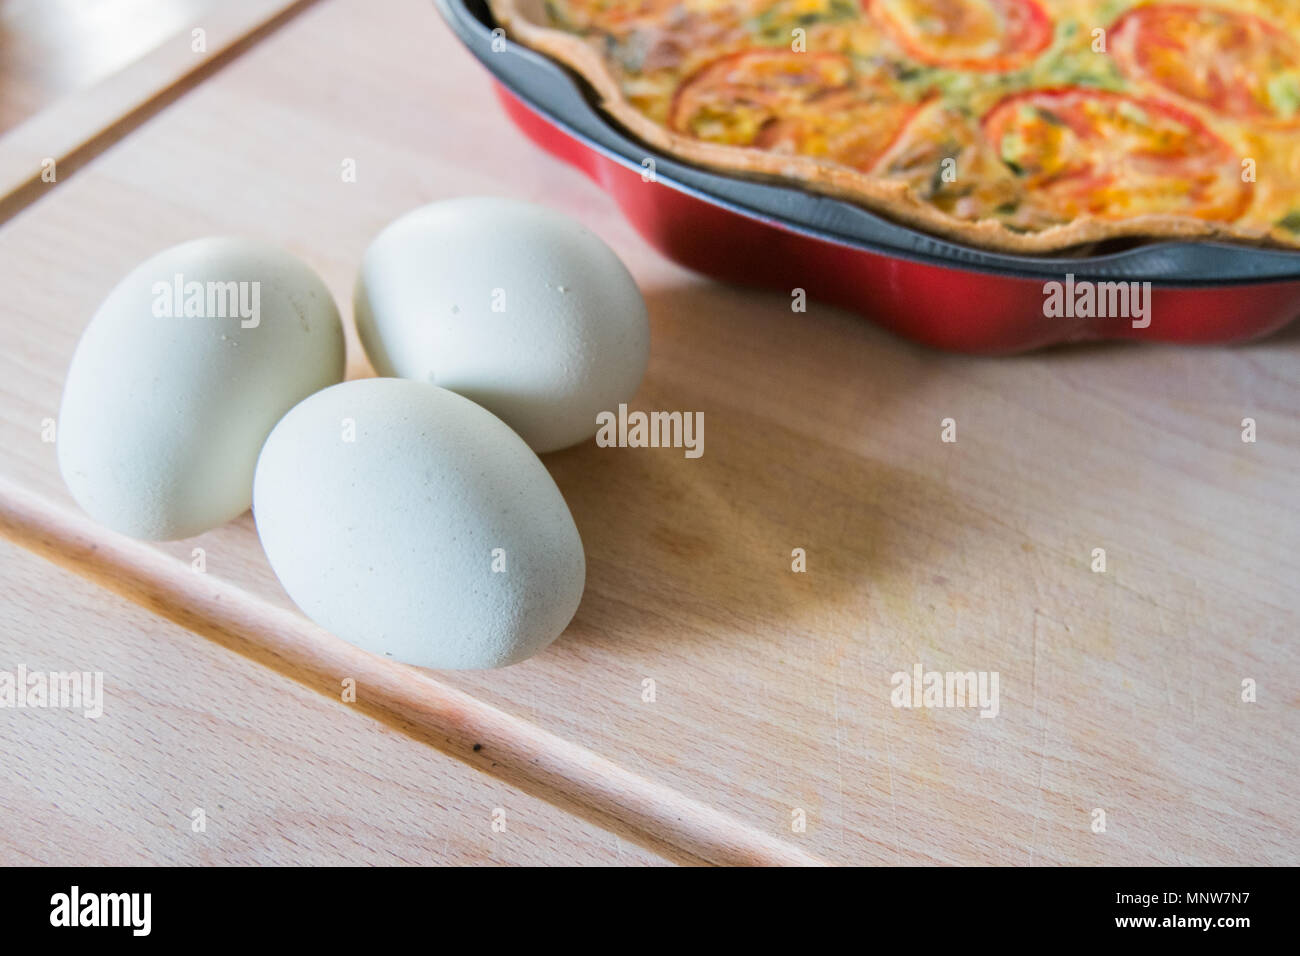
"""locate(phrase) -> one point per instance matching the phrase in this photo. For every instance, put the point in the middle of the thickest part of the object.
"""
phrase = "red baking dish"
(927, 289)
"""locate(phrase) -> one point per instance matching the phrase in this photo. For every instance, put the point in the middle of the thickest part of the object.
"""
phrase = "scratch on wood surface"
(1033, 674)
(839, 760)
(893, 804)
(1042, 741)
(1042, 763)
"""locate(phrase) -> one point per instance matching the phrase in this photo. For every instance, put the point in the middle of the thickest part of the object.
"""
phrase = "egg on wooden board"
(514, 306)
(179, 377)
(413, 523)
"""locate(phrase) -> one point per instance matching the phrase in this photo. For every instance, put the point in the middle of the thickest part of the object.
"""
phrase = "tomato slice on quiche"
(609, 13)
(967, 34)
(807, 104)
(1027, 125)
(1234, 63)
(943, 158)
(1115, 156)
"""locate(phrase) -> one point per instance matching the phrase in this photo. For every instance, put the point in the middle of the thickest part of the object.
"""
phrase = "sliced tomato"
(608, 14)
(846, 127)
(810, 104)
(941, 154)
(1114, 156)
(1234, 63)
(967, 34)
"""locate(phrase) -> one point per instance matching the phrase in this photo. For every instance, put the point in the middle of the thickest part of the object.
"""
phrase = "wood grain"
(71, 110)
(281, 775)
(1119, 690)
(52, 48)
(428, 711)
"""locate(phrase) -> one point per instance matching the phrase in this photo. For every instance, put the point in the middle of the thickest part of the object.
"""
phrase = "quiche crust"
(527, 21)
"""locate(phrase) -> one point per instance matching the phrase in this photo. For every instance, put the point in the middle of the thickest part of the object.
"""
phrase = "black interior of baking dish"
(557, 93)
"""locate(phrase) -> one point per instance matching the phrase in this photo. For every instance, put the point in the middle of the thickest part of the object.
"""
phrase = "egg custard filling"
(1027, 125)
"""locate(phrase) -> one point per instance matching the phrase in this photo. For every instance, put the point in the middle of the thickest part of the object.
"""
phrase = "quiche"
(1023, 125)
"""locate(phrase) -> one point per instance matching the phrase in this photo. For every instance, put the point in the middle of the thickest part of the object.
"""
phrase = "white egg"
(516, 307)
(179, 377)
(416, 525)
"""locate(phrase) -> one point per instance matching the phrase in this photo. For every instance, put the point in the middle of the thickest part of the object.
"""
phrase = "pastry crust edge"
(892, 200)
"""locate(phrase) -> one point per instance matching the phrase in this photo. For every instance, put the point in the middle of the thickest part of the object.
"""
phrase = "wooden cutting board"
(1120, 691)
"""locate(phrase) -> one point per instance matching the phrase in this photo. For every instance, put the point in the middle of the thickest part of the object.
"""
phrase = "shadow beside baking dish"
(713, 536)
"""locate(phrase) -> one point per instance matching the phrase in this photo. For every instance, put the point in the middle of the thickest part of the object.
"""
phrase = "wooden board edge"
(558, 771)
(78, 127)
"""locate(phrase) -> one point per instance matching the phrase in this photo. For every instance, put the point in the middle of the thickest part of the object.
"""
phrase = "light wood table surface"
(1120, 691)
